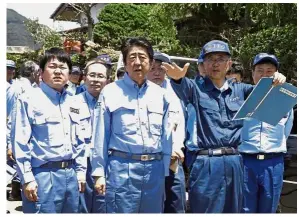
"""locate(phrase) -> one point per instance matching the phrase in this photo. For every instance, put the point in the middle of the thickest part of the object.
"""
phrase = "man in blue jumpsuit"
(175, 191)
(216, 175)
(28, 72)
(97, 75)
(132, 140)
(48, 141)
(263, 147)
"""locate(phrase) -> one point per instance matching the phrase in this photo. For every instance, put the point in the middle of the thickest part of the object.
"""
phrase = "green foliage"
(280, 41)
(119, 21)
(43, 35)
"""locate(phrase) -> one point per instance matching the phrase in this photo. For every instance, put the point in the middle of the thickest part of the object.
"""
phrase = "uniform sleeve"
(289, 124)
(166, 140)
(81, 160)
(8, 133)
(179, 132)
(247, 89)
(20, 137)
(11, 98)
(100, 137)
(183, 88)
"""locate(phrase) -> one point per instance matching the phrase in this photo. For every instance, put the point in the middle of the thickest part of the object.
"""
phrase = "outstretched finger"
(167, 65)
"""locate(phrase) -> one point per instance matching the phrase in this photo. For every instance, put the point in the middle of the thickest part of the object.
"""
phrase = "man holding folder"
(263, 147)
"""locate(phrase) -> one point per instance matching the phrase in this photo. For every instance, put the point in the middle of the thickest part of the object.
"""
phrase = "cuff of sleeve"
(28, 177)
(166, 159)
(9, 146)
(81, 176)
(176, 82)
(98, 172)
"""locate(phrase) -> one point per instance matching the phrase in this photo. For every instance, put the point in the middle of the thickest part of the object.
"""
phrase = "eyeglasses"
(94, 76)
(219, 60)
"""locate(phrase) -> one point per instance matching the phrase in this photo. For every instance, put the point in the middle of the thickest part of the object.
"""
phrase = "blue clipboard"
(268, 103)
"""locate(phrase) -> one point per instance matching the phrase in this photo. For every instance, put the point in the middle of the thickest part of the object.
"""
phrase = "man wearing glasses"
(216, 174)
(97, 74)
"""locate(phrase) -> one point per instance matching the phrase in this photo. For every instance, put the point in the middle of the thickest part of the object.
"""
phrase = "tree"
(85, 8)
(119, 21)
(43, 35)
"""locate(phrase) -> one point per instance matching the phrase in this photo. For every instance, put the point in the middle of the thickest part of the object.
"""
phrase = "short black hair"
(28, 68)
(120, 72)
(58, 53)
(236, 68)
(265, 61)
(136, 41)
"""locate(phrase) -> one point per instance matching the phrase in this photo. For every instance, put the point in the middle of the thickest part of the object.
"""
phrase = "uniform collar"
(128, 81)
(165, 83)
(209, 86)
(89, 97)
(49, 91)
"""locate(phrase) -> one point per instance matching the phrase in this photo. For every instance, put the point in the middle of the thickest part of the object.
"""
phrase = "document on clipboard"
(268, 103)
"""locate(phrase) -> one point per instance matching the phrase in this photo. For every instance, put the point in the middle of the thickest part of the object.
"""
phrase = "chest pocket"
(80, 128)
(48, 129)
(155, 117)
(124, 120)
(210, 110)
(233, 107)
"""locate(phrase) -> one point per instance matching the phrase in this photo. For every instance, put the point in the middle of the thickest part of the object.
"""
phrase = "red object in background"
(71, 46)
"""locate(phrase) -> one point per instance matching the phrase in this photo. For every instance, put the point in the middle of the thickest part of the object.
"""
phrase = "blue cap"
(76, 70)
(200, 57)
(10, 63)
(215, 46)
(163, 57)
(106, 58)
(265, 56)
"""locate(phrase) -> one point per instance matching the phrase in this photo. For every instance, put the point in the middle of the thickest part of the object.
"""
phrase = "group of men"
(120, 147)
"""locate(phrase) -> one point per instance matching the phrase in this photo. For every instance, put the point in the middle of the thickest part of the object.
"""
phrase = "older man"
(216, 175)
(132, 142)
(174, 183)
(97, 74)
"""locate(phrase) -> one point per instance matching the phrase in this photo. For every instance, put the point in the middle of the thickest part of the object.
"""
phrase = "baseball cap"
(106, 58)
(10, 63)
(265, 56)
(76, 70)
(163, 57)
(215, 46)
(200, 57)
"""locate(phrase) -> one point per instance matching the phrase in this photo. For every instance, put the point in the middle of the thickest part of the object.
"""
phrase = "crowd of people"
(100, 146)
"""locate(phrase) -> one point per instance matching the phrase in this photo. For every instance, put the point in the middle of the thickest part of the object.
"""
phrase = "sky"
(42, 11)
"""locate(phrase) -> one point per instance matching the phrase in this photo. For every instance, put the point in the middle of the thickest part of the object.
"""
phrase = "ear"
(152, 64)
(229, 64)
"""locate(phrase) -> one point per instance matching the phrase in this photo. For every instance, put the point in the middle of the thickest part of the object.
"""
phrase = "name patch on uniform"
(74, 110)
(98, 104)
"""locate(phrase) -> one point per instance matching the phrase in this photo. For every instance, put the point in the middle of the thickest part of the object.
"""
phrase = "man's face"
(201, 69)
(237, 76)
(56, 74)
(75, 78)
(96, 79)
(263, 70)
(156, 74)
(137, 64)
(10, 72)
(216, 65)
